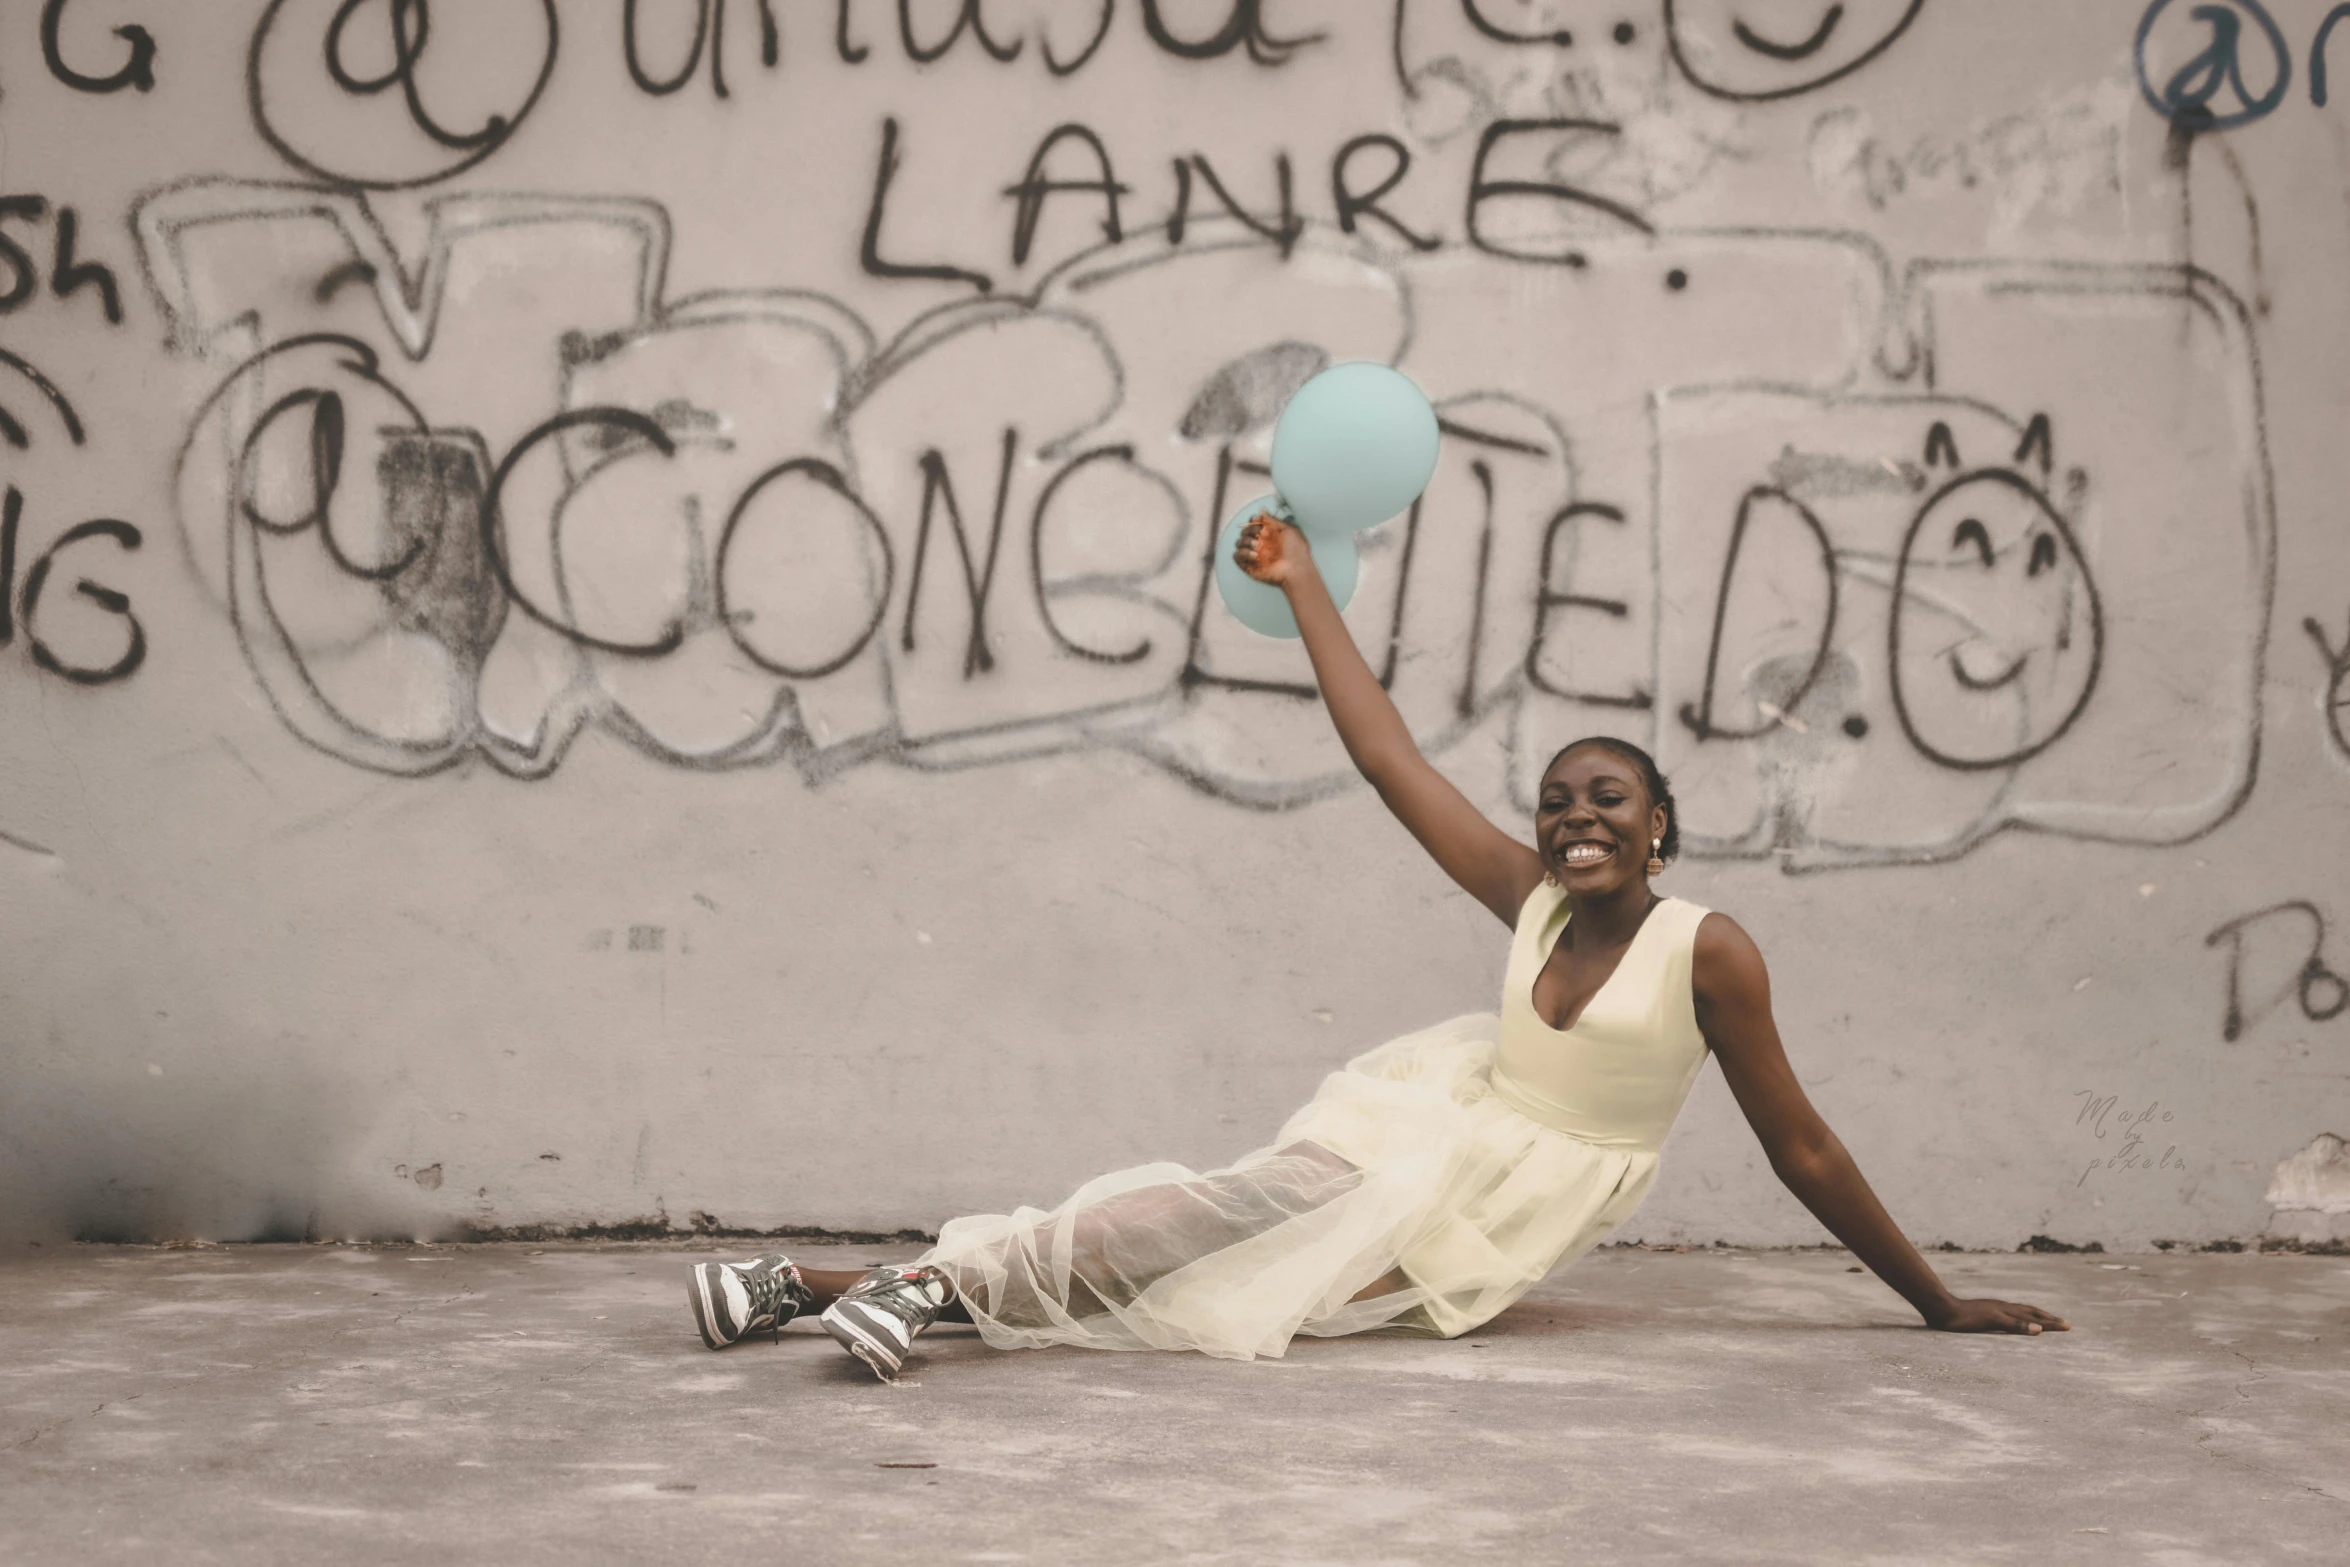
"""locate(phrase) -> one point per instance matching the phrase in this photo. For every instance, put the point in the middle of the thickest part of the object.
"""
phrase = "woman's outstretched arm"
(1490, 865)
(1733, 993)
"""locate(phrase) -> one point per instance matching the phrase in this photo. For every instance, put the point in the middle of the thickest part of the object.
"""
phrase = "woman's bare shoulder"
(1724, 956)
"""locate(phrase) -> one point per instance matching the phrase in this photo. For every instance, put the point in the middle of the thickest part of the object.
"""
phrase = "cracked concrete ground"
(299, 1404)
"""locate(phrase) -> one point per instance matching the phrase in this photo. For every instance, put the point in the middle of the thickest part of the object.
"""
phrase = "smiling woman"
(1432, 1182)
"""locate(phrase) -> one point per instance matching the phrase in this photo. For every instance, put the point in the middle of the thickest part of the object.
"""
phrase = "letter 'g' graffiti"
(84, 658)
(138, 69)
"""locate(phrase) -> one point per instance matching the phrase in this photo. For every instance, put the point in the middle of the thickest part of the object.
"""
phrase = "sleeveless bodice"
(1619, 1076)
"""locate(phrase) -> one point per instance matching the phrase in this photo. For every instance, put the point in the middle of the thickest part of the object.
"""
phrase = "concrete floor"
(305, 1404)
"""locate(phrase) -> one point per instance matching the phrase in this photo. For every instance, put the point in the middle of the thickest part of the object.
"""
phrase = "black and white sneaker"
(732, 1300)
(877, 1318)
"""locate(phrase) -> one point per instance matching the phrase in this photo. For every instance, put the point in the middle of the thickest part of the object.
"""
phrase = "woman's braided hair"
(1659, 792)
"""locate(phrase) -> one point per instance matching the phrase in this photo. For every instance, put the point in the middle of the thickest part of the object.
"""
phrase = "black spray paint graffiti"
(1950, 540)
(2335, 702)
(321, 454)
(454, 554)
(710, 33)
(69, 273)
(1198, 192)
(1243, 30)
(1722, 53)
(747, 533)
(1463, 69)
(79, 653)
(1876, 652)
(1711, 42)
(86, 649)
(391, 110)
(116, 644)
(392, 114)
(137, 69)
(408, 143)
(2066, 629)
(2295, 973)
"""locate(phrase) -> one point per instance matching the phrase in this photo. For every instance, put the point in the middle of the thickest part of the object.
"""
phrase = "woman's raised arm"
(1490, 865)
(1733, 995)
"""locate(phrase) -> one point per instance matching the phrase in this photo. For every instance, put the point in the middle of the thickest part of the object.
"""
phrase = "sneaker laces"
(915, 1296)
(778, 1294)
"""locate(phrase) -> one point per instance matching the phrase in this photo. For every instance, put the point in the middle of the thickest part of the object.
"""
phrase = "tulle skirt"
(1404, 1177)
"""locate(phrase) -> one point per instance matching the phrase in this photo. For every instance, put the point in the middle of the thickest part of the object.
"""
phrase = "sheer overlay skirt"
(1403, 1173)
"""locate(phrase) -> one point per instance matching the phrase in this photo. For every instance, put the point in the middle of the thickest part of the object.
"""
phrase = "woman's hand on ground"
(1272, 551)
(1995, 1316)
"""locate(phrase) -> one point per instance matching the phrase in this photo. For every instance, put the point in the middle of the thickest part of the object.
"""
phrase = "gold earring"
(1656, 865)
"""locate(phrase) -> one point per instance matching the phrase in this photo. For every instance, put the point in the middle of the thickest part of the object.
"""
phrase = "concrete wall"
(826, 795)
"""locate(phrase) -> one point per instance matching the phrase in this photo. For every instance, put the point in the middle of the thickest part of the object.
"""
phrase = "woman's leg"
(829, 1284)
(1103, 1232)
(1050, 1272)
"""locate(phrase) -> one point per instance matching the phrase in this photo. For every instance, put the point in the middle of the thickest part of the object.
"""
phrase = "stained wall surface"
(606, 614)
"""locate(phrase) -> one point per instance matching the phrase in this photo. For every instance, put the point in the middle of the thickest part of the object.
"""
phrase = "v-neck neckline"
(1647, 918)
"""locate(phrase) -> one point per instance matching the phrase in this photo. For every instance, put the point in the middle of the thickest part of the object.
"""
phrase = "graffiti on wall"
(1870, 568)
(1907, 613)
(72, 626)
(2276, 963)
(2334, 696)
(2216, 67)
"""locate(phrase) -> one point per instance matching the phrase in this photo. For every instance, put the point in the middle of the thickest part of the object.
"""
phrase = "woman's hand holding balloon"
(1273, 552)
(1261, 601)
(1354, 446)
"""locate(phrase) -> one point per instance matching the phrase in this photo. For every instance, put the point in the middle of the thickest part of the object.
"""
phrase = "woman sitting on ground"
(1434, 1180)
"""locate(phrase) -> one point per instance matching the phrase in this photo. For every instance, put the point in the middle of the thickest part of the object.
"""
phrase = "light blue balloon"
(1355, 446)
(1259, 605)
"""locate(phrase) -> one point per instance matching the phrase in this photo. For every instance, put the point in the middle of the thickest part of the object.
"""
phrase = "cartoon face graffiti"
(1753, 50)
(1996, 631)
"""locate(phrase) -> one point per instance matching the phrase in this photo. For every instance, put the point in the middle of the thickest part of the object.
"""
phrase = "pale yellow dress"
(1473, 1157)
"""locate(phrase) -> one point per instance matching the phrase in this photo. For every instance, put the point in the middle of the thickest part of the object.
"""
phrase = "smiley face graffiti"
(1752, 51)
(1996, 632)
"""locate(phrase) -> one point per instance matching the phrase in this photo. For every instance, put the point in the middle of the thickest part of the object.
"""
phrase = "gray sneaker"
(733, 1300)
(877, 1318)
